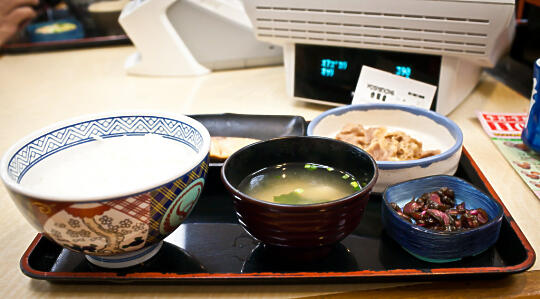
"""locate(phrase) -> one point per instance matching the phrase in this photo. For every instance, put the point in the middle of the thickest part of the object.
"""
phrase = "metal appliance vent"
(393, 31)
(466, 20)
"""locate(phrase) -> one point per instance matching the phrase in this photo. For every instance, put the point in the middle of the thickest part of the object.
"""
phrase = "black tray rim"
(310, 277)
(85, 42)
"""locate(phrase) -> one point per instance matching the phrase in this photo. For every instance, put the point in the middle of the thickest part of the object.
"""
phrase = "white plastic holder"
(161, 52)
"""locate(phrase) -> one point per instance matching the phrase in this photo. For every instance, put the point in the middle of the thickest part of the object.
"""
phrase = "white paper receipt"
(376, 86)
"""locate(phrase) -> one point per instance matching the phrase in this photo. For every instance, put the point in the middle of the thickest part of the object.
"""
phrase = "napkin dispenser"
(445, 43)
(192, 37)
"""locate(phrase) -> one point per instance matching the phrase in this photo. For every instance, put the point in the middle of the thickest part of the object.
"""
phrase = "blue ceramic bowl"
(436, 246)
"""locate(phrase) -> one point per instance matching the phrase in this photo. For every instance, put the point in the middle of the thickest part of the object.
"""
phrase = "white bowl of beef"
(435, 140)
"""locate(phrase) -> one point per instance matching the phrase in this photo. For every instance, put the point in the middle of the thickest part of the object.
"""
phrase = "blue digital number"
(328, 66)
(327, 72)
(342, 65)
(325, 63)
(404, 71)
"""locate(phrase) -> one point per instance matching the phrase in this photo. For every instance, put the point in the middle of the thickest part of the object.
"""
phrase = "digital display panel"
(330, 74)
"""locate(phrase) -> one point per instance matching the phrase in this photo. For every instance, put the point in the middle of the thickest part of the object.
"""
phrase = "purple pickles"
(461, 208)
(482, 216)
(440, 216)
(395, 207)
(437, 210)
(436, 198)
(411, 208)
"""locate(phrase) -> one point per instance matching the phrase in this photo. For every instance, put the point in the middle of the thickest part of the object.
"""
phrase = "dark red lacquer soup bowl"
(300, 226)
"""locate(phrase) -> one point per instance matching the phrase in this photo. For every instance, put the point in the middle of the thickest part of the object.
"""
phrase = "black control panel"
(330, 74)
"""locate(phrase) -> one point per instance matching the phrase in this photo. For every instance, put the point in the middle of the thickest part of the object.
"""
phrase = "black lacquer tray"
(262, 127)
(87, 42)
(211, 247)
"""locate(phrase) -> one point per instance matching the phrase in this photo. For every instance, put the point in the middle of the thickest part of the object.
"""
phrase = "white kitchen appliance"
(192, 37)
(441, 42)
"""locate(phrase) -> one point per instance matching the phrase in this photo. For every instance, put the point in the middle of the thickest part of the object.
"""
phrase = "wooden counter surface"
(40, 89)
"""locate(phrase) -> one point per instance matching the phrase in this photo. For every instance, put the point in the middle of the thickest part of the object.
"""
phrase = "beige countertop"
(40, 89)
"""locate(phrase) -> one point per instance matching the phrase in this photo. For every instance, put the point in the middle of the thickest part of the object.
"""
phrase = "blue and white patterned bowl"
(436, 246)
(111, 186)
(435, 131)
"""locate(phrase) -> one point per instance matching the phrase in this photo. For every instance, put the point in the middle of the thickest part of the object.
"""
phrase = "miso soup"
(300, 183)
